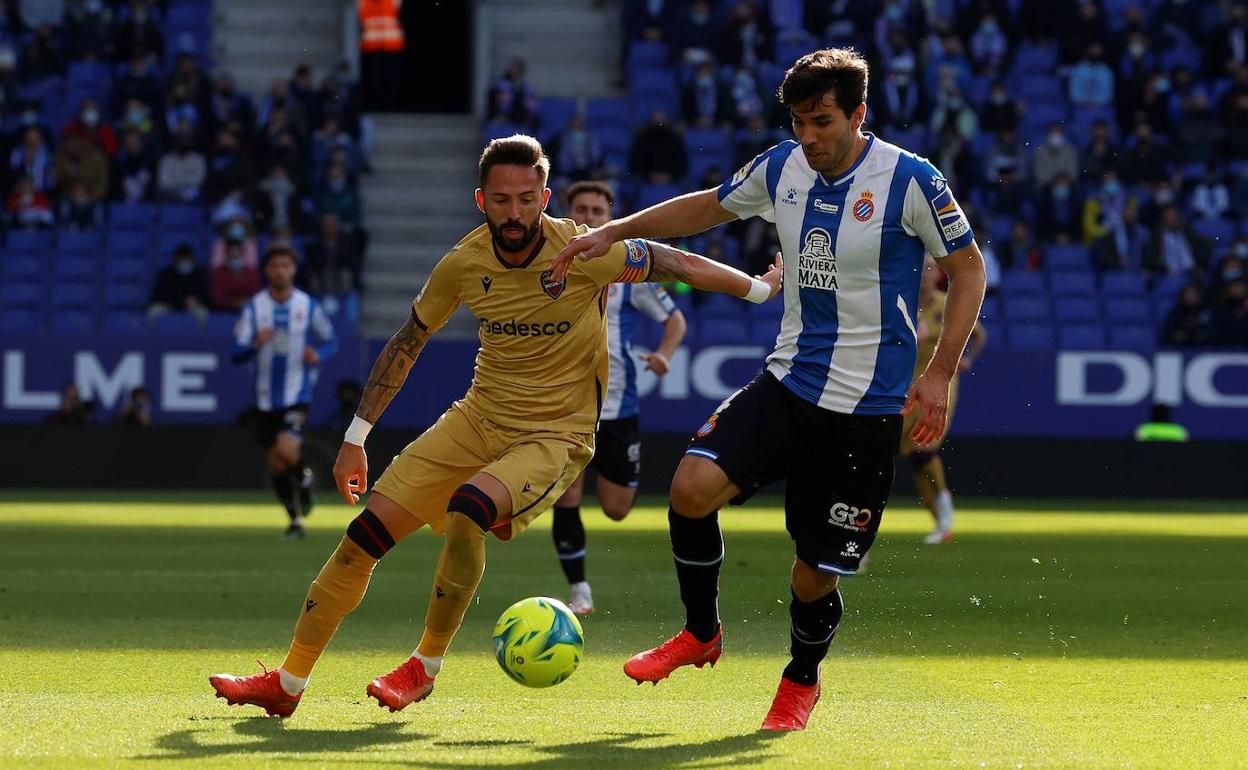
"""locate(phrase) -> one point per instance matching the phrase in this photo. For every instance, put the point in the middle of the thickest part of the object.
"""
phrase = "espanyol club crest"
(707, 427)
(552, 287)
(864, 208)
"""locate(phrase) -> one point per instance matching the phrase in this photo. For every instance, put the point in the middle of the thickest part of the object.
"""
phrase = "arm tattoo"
(391, 368)
(668, 264)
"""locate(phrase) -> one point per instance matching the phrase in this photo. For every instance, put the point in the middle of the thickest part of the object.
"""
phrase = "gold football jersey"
(931, 322)
(543, 356)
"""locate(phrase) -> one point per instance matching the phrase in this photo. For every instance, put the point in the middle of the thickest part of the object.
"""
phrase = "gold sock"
(336, 591)
(458, 574)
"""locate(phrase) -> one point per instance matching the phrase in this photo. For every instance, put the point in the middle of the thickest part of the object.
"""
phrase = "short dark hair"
(514, 150)
(589, 186)
(842, 71)
(279, 249)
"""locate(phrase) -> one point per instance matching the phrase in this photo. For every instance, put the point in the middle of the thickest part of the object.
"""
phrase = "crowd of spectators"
(1118, 126)
(148, 123)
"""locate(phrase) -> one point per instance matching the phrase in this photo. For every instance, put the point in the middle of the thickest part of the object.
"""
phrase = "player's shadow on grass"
(273, 736)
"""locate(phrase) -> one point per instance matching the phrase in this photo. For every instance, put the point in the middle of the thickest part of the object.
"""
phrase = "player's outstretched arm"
(389, 372)
(672, 264)
(673, 218)
(930, 393)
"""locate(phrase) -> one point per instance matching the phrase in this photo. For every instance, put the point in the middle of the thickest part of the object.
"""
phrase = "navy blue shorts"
(837, 468)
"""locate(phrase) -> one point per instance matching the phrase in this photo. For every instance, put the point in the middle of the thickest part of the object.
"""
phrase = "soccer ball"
(538, 642)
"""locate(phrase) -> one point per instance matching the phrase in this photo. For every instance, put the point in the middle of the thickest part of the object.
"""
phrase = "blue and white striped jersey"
(624, 302)
(282, 377)
(853, 250)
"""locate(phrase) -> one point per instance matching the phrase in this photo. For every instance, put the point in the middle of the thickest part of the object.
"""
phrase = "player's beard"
(518, 244)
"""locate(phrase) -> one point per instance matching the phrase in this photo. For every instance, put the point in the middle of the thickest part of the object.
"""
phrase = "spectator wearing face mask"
(78, 160)
(1059, 213)
(1102, 210)
(1100, 157)
(1145, 162)
(32, 158)
(1001, 112)
(989, 45)
(1231, 268)
(340, 197)
(1122, 247)
(235, 230)
(1056, 156)
(134, 169)
(275, 202)
(78, 211)
(1092, 81)
(234, 282)
(27, 208)
(1175, 249)
(705, 102)
(182, 171)
(1230, 314)
(138, 32)
(180, 287)
(900, 103)
(88, 29)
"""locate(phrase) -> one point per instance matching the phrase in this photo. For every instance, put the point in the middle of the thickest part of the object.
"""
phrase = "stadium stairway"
(588, 33)
(418, 203)
(264, 39)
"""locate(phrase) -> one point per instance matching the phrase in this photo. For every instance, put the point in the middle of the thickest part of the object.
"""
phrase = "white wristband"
(759, 292)
(357, 431)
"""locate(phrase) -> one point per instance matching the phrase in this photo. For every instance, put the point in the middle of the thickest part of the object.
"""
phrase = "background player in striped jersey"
(855, 216)
(925, 462)
(617, 450)
(276, 330)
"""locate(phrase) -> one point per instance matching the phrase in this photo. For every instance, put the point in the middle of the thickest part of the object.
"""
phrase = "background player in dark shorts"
(617, 453)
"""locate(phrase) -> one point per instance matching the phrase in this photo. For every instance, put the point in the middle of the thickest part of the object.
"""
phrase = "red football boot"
(683, 649)
(263, 690)
(792, 706)
(406, 684)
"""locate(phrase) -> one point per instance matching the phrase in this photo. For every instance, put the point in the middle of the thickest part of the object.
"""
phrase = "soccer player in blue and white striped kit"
(276, 329)
(855, 215)
(617, 448)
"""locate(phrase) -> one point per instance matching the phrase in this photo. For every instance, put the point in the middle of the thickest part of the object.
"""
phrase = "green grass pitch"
(1045, 636)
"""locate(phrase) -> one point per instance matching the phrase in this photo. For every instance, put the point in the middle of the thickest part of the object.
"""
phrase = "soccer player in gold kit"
(506, 451)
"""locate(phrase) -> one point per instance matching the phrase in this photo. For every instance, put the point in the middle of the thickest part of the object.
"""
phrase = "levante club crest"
(552, 287)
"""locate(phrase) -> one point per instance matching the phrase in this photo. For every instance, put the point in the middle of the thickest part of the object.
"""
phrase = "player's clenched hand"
(264, 336)
(930, 395)
(591, 245)
(657, 363)
(310, 356)
(775, 275)
(351, 472)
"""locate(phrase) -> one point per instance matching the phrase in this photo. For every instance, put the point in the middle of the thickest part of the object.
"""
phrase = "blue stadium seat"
(1169, 285)
(1035, 59)
(88, 72)
(1040, 88)
(1085, 336)
(720, 306)
(645, 79)
(771, 310)
(647, 53)
(137, 214)
(125, 294)
(1128, 310)
(610, 111)
(133, 241)
(77, 267)
(17, 266)
(650, 194)
(177, 325)
(220, 326)
(1016, 282)
(1031, 336)
(615, 141)
(1219, 231)
(22, 294)
(127, 266)
(764, 332)
(32, 241)
(125, 322)
(990, 310)
(1077, 309)
(1042, 114)
(73, 295)
(553, 115)
(996, 334)
(1124, 284)
(79, 242)
(15, 320)
(499, 129)
(72, 322)
(999, 228)
(1073, 284)
(1132, 337)
(722, 331)
(1070, 257)
(1026, 309)
(181, 214)
(646, 103)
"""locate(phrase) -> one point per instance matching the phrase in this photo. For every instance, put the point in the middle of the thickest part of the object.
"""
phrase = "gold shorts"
(907, 424)
(535, 466)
